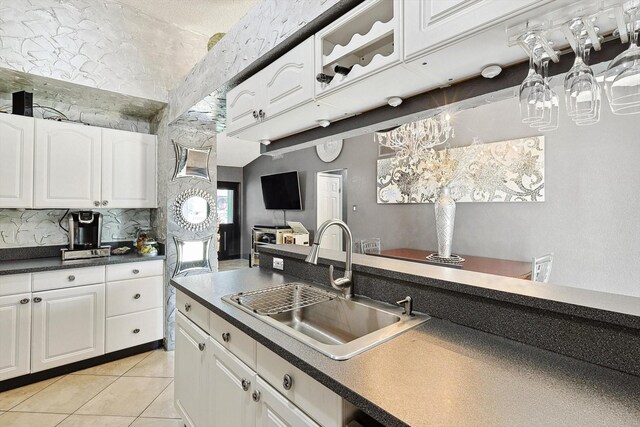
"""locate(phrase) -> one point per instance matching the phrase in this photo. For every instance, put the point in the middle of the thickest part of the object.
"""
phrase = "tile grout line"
(154, 399)
(25, 399)
(140, 361)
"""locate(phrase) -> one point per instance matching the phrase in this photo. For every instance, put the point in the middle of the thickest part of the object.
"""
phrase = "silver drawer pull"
(287, 382)
(136, 330)
(71, 278)
(256, 396)
(245, 384)
(226, 337)
(136, 296)
(135, 271)
(24, 300)
(37, 299)
(187, 307)
(201, 346)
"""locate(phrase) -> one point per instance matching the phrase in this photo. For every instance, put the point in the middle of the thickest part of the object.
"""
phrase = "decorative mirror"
(194, 210)
(192, 255)
(191, 162)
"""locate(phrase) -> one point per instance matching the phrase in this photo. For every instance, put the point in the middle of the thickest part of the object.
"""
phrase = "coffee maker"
(85, 236)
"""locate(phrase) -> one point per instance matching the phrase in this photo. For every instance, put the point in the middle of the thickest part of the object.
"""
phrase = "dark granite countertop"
(441, 373)
(55, 263)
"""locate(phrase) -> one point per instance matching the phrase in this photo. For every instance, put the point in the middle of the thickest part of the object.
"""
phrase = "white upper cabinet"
(435, 24)
(243, 103)
(68, 325)
(15, 329)
(256, 107)
(288, 82)
(128, 169)
(68, 165)
(16, 152)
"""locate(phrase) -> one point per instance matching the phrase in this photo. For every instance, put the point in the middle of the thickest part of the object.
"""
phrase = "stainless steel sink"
(335, 326)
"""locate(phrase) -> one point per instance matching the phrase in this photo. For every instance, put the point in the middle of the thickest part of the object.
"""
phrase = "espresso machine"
(85, 236)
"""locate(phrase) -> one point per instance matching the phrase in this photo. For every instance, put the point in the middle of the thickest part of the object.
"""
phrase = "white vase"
(445, 208)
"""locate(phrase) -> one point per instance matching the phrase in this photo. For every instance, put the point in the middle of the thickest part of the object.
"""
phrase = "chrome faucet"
(345, 283)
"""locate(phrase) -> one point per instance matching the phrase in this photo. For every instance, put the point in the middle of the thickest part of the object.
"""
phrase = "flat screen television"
(281, 191)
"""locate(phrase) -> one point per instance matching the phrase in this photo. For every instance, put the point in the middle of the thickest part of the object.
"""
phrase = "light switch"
(278, 264)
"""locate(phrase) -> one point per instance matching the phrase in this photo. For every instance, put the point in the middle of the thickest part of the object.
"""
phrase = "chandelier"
(416, 139)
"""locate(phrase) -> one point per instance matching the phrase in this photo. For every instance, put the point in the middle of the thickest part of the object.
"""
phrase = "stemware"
(551, 103)
(580, 85)
(532, 88)
(622, 78)
(592, 96)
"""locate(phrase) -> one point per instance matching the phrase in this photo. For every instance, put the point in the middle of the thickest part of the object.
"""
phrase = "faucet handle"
(407, 304)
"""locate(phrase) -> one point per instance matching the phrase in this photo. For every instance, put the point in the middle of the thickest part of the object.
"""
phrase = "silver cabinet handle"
(255, 396)
(226, 337)
(287, 382)
(245, 384)
(24, 300)
(96, 203)
(261, 114)
(135, 271)
(136, 330)
(255, 115)
(187, 307)
(105, 202)
(136, 296)
(37, 299)
(201, 346)
(71, 278)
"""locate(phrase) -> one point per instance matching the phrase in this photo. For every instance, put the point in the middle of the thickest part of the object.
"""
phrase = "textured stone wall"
(24, 228)
(100, 44)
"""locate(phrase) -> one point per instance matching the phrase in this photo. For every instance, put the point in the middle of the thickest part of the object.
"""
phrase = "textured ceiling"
(205, 17)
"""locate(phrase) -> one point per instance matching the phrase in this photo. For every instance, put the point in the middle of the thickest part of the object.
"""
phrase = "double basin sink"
(337, 327)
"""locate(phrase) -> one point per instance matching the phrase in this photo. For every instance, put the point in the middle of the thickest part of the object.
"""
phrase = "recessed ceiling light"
(265, 142)
(324, 123)
(394, 101)
(491, 71)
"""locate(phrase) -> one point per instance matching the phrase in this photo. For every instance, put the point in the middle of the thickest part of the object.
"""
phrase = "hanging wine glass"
(594, 98)
(622, 78)
(580, 85)
(551, 103)
(532, 88)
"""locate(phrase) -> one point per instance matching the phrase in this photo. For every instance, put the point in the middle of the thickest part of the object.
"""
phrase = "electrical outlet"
(278, 264)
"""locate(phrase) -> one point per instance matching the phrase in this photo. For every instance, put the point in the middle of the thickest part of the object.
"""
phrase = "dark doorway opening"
(228, 204)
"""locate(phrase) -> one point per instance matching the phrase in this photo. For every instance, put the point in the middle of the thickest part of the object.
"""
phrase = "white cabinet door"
(16, 152)
(15, 328)
(67, 165)
(232, 383)
(67, 326)
(433, 24)
(288, 81)
(243, 104)
(276, 411)
(128, 169)
(191, 377)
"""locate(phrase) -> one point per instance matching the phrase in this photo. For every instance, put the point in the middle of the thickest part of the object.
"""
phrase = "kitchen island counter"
(440, 373)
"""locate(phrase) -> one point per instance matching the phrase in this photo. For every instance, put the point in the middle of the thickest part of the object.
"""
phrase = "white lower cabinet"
(67, 326)
(15, 329)
(231, 385)
(276, 411)
(191, 379)
(216, 388)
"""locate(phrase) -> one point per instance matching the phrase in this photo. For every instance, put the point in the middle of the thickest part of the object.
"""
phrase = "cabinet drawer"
(316, 400)
(134, 270)
(128, 296)
(133, 329)
(15, 284)
(233, 339)
(67, 278)
(193, 310)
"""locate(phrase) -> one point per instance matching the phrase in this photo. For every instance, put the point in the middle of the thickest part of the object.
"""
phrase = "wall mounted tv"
(281, 191)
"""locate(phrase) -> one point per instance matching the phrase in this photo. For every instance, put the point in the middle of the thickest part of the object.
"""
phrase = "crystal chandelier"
(416, 139)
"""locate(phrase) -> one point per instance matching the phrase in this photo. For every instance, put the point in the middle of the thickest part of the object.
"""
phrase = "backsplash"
(23, 228)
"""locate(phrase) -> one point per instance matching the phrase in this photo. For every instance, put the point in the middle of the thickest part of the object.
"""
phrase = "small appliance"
(85, 236)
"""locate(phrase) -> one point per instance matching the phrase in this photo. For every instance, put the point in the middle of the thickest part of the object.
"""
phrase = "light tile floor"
(136, 391)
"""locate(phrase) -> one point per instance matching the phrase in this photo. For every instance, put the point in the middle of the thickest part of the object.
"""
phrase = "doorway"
(330, 204)
(228, 204)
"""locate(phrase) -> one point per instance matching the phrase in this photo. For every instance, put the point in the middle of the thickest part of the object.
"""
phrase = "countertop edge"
(116, 259)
